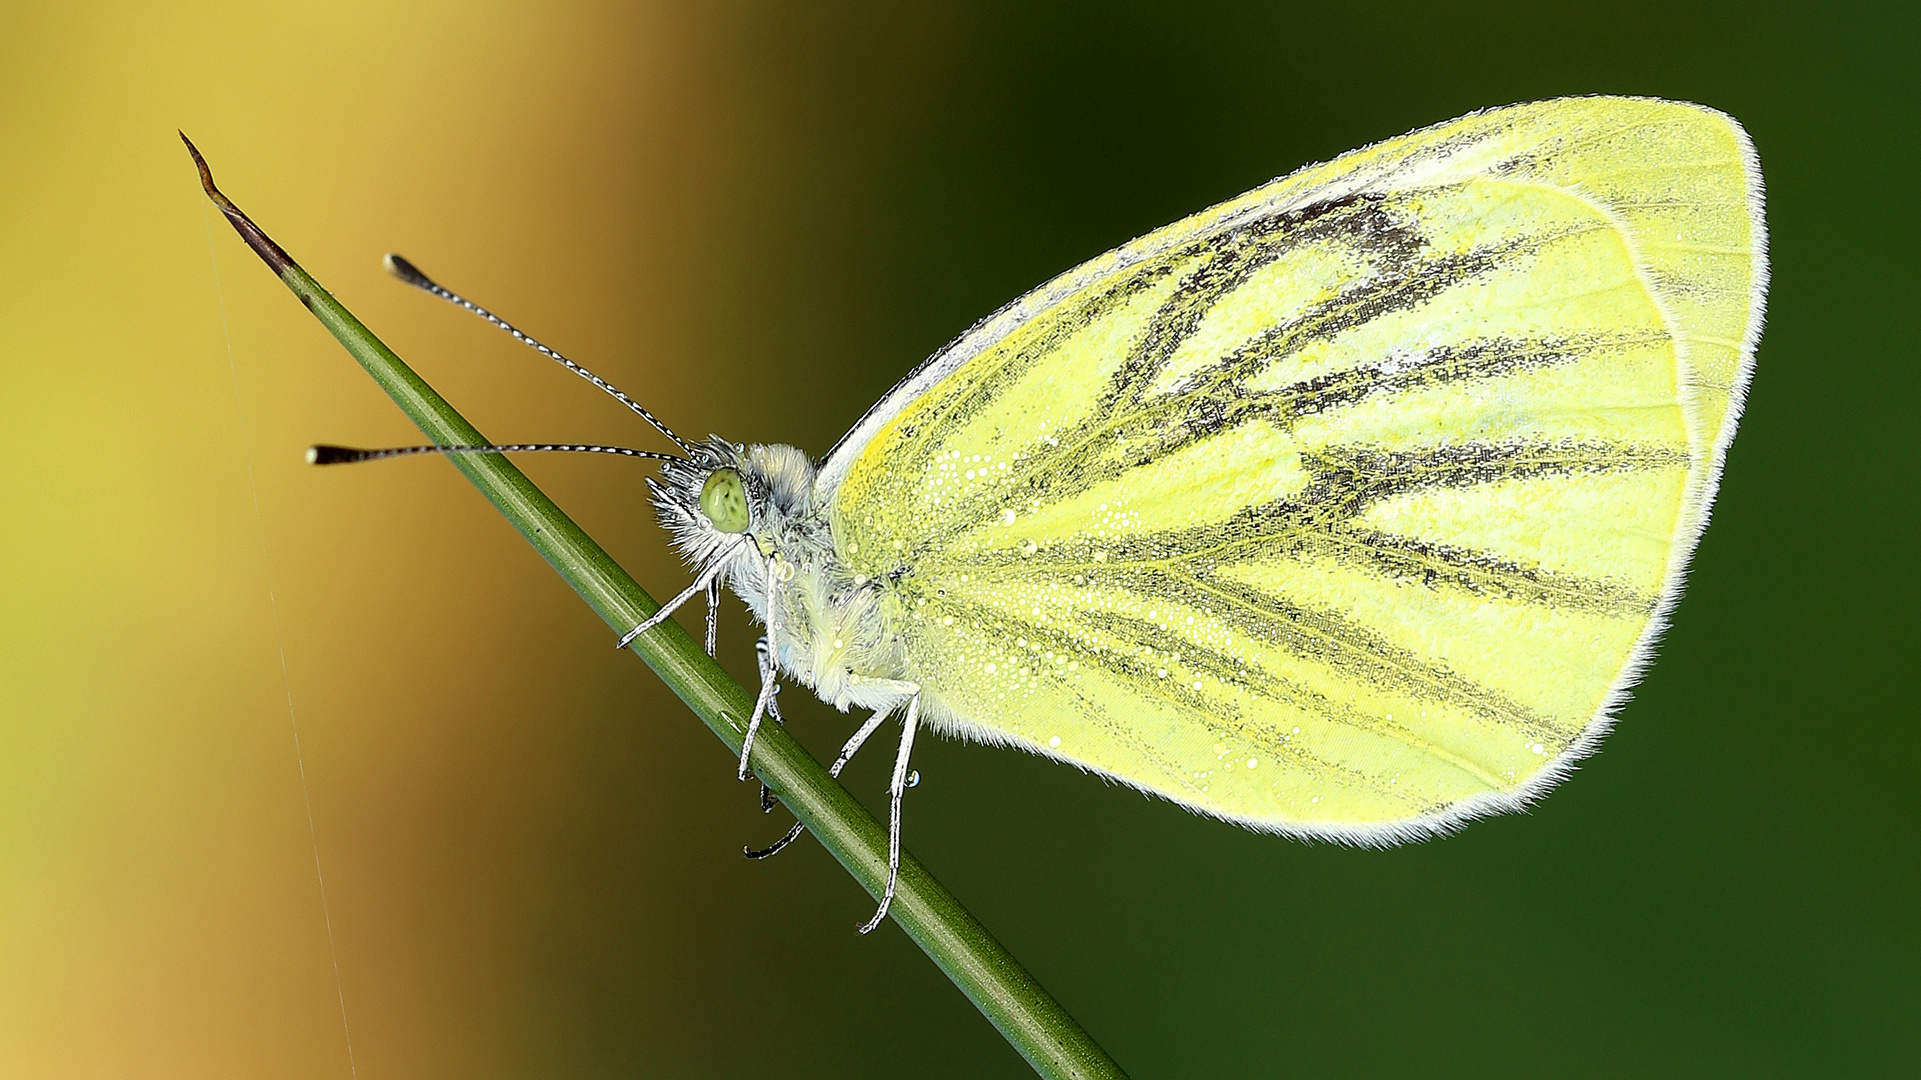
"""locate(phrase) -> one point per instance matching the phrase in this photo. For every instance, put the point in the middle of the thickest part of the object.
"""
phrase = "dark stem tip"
(271, 253)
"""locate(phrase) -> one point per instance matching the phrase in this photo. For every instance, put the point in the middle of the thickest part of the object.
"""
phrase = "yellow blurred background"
(595, 171)
(755, 217)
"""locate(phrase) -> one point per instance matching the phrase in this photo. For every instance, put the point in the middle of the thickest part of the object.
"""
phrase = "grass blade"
(1030, 1019)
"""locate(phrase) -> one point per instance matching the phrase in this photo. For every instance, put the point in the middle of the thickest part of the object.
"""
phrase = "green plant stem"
(1030, 1019)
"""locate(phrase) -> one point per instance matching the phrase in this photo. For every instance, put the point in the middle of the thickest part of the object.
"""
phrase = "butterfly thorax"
(829, 625)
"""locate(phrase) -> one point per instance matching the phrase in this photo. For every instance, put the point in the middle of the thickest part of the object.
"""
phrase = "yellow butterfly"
(1347, 509)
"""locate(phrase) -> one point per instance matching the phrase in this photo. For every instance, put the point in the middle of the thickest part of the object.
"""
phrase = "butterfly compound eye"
(723, 498)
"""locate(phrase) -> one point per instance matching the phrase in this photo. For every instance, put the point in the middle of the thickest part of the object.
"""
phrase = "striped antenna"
(344, 455)
(411, 274)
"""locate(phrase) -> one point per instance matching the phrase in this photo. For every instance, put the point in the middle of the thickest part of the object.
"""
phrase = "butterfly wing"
(1351, 506)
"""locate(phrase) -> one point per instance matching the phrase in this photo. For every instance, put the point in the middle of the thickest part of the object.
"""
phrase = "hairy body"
(829, 626)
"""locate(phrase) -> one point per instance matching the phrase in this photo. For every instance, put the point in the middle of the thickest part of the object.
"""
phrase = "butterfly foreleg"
(708, 579)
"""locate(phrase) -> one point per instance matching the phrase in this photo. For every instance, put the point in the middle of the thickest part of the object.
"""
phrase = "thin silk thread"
(286, 679)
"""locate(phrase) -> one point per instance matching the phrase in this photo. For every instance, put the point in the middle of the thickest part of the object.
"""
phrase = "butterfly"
(1348, 509)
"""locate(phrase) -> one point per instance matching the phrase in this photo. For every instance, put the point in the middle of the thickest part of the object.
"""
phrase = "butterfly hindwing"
(1346, 507)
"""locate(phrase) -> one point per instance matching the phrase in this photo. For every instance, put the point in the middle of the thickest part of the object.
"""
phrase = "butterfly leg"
(765, 656)
(766, 660)
(768, 682)
(708, 577)
(854, 741)
(895, 789)
(773, 705)
(713, 615)
(847, 752)
(769, 674)
(777, 846)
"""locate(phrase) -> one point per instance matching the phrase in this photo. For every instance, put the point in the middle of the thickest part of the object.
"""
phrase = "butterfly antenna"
(411, 274)
(345, 455)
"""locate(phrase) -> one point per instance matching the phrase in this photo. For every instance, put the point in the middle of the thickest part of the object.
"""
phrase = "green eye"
(724, 500)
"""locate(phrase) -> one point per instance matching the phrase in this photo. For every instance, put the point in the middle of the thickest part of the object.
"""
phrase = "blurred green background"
(756, 217)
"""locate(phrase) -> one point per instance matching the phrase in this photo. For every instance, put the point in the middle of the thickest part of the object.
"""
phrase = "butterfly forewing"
(1344, 507)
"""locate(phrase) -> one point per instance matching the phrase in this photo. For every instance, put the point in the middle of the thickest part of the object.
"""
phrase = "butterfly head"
(726, 490)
